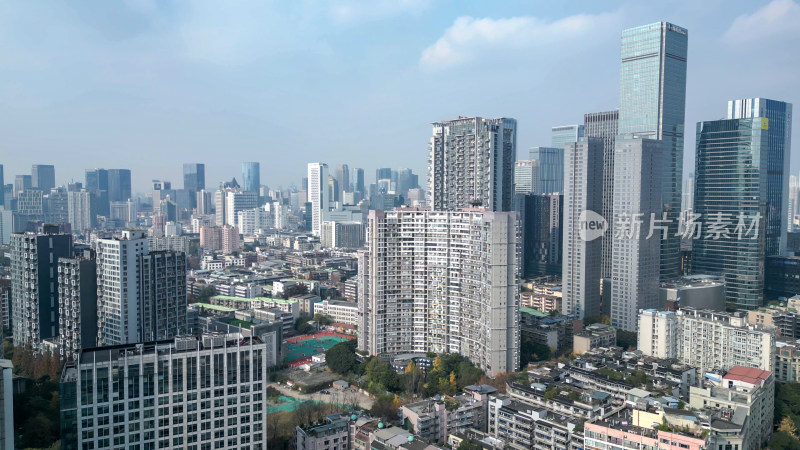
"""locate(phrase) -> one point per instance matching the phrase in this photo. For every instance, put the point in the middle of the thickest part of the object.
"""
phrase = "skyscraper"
(550, 177)
(119, 185)
(194, 177)
(318, 194)
(384, 173)
(163, 305)
(34, 283)
(357, 178)
(779, 141)
(731, 180)
(77, 302)
(562, 135)
(471, 162)
(343, 179)
(636, 253)
(96, 180)
(605, 125)
(459, 288)
(43, 177)
(526, 176)
(251, 177)
(119, 288)
(583, 192)
(21, 183)
(81, 210)
(2, 187)
(541, 231)
(653, 105)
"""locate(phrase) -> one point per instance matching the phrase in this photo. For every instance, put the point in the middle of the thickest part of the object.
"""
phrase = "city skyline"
(170, 129)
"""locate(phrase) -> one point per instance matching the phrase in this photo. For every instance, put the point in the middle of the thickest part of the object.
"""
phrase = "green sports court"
(311, 346)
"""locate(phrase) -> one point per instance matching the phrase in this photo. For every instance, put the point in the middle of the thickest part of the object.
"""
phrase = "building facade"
(566, 134)
(658, 331)
(34, 283)
(636, 248)
(542, 232)
(77, 304)
(653, 106)
(457, 289)
(182, 393)
(779, 143)
(605, 125)
(163, 301)
(583, 193)
(731, 192)
(251, 177)
(318, 195)
(550, 169)
(526, 174)
(471, 162)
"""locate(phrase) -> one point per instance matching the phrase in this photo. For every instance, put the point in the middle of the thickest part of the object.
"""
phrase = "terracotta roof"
(750, 375)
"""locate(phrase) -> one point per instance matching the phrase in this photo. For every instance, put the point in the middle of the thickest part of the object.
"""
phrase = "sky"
(150, 85)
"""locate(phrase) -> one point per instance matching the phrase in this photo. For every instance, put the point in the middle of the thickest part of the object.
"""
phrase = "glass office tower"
(779, 139)
(653, 106)
(565, 134)
(194, 177)
(251, 177)
(119, 185)
(550, 170)
(731, 180)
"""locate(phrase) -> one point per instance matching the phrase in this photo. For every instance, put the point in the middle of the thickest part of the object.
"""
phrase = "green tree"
(784, 441)
(323, 319)
(626, 339)
(384, 407)
(205, 294)
(533, 351)
(341, 358)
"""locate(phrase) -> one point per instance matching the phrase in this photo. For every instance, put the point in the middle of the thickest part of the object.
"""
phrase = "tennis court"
(315, 344)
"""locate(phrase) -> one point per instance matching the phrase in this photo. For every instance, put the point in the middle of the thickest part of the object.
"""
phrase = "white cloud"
(777, 19)
(468, 38)
(349, 11)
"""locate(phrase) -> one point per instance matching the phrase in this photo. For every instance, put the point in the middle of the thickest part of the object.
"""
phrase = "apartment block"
(192, 393)
(441, 281)
(77, 304)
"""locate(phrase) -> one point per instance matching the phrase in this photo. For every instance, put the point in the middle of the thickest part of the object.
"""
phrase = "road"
(335, 396)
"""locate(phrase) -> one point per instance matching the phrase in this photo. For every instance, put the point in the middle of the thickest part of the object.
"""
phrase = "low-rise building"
(334, 435)
(603, 435)
(524, 426)
(339, 311)
(742, 403)
(307, 303)
(594, 336)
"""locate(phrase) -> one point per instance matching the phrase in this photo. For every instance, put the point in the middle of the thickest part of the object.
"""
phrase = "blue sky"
(150, 85)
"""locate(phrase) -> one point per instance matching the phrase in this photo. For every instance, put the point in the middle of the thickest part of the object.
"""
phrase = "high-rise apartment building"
(2, 187)
(318, 194)
(77, 303)
(550, 177)
(653, 106)
(119, 185)
(583, 197)
(639, 229)
(565, 134)
(81, 210)
(342, 234)
(779, 144)
(34, 283)
(441, 281)
(251, 177)
(731, 181)
(542, 232)
(526, 176)
(471, 162)
(713, 340)
(342, 174)
(119, 276)
(163, 294)
(183, 393)
(43, 177)
(605, 125)
(230, 239)
(658, 333)
(236, 201)
(141, 294)
(194, 177)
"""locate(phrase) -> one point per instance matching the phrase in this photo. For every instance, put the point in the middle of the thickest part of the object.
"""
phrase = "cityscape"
(631, 281)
